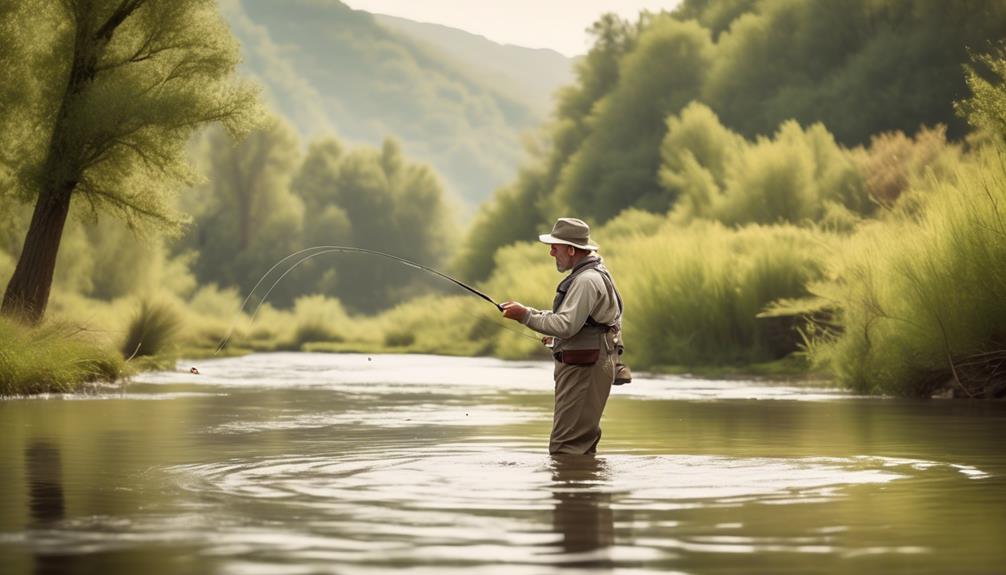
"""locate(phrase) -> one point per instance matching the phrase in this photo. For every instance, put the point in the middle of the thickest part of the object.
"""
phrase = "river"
(295, 463)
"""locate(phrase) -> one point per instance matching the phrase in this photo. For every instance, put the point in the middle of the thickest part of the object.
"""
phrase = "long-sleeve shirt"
(588, 296)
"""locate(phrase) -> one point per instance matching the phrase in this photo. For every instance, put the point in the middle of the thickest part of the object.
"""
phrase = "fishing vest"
(588, 336)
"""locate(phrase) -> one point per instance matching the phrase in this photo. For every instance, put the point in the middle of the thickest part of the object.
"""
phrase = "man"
(584, 330)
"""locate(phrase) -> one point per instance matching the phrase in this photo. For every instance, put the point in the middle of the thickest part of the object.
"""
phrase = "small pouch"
(579, 356)
(623, 374)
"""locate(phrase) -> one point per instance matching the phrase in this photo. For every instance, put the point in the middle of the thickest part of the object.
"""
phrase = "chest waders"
(623, 374)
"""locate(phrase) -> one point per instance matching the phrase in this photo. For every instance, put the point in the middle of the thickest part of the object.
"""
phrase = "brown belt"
(577, 356)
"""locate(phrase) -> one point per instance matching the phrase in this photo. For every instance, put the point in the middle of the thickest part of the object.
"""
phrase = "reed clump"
(152, 329)
(317, 318)
(695, 293)
(53, 358)
(921, 296)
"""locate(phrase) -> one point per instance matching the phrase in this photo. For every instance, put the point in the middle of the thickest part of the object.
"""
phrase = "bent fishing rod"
(321, 250)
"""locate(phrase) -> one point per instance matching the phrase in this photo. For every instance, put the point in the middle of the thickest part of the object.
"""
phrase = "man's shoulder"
(592, 277)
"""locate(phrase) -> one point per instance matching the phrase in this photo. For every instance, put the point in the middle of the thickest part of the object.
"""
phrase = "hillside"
(531, 75)
(329, 68)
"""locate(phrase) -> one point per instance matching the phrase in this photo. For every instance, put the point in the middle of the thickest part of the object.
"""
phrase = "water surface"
(321, 463)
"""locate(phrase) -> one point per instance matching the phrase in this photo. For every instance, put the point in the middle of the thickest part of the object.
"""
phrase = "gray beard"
(561, 269)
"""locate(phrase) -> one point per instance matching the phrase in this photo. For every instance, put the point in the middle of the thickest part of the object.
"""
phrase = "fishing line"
(333, 250)
(344, 249)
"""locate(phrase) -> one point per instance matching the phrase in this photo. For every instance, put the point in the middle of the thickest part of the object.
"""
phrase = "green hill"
(530, 74)
(328, 67)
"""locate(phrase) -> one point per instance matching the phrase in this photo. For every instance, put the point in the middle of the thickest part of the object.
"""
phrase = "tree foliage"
(617, 163)
(245, 217)
(519, 209)
(860, 67)
(374, 199)
(127, 83)
(986, 78)
(804, 84)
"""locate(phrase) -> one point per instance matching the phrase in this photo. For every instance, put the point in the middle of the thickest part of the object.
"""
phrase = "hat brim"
(550, 239)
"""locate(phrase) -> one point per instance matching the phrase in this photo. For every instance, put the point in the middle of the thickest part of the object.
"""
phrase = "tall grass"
(54, 358)
(317, 319)
(922, 297)
(693, 294)
(151, 330)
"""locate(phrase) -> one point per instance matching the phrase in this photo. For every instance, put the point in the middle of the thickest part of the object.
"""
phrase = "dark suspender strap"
(563, 287)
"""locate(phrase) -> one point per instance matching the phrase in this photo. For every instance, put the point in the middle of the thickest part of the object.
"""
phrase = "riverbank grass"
(922, 299)
(53, 358)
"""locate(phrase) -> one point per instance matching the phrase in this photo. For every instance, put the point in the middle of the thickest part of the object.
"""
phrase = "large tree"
(125, 85)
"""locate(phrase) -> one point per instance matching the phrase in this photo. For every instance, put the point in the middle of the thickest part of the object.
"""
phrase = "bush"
(922, 297)
(54, 358)
(151, 330)
(692, 294)
(799, 176)
(317, 319)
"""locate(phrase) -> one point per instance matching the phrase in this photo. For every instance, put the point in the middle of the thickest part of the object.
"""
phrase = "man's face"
(563, 255)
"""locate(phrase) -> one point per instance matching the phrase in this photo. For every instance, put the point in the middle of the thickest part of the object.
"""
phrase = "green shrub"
(317, 318)
(922, 296)
(54, 358)
(693, 294)
(798, 176)
(152, 329)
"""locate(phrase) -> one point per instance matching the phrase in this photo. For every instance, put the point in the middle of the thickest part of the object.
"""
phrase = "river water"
(322, 463)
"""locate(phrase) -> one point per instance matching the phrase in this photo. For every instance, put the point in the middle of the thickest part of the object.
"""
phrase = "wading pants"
(581, 392)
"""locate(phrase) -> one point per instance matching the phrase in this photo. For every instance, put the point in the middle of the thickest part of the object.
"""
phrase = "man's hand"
(513, 310)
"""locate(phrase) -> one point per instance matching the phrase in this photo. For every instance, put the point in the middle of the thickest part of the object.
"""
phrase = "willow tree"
(126, 83)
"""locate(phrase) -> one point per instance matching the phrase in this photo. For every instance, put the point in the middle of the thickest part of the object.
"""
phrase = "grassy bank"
(913, 302)
(54, 358)
(921, 296)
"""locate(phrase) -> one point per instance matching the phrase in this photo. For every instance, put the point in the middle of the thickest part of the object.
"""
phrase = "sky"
(557, 24)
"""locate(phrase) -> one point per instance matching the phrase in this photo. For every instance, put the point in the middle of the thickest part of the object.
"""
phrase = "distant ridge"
(454, 100)
(536, 72)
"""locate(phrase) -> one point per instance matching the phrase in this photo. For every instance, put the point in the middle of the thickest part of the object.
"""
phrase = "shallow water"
(319, 463)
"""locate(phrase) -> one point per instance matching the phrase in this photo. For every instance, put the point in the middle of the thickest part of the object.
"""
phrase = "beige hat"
(571, 232)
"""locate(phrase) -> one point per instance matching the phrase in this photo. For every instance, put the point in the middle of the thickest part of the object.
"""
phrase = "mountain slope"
(327, 67)
(533, 74)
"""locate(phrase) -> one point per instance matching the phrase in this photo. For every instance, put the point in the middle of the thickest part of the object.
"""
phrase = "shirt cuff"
(527, 317)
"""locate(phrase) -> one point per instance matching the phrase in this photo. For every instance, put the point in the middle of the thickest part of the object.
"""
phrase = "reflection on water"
(45, 499)
(582, 513)
(45, 482)
(300, 463)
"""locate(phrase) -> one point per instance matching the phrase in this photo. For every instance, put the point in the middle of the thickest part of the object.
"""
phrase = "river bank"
(55, 358)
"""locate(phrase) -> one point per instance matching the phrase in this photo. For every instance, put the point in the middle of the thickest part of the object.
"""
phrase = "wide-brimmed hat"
(571, 232)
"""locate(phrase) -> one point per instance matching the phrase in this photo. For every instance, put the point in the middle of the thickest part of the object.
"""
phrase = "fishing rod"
(321, 250)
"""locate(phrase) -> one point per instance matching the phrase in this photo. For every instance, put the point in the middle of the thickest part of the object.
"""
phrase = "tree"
(245, 217)
(617, 165)
(130, 82)
(986, 77)
(519, 210)
(860, 67)
(373, 199)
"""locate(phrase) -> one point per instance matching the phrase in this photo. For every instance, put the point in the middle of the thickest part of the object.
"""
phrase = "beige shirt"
(588, 296)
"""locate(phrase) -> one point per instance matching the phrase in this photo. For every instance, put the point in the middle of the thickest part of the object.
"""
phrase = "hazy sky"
(556, 24)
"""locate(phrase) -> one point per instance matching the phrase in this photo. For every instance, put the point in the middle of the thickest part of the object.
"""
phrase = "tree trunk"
(28, 291)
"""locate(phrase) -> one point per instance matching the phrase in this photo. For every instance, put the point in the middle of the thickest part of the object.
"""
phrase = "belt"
(577, 356)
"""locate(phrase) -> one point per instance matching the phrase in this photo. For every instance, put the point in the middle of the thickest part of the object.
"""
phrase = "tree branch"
(125, 10)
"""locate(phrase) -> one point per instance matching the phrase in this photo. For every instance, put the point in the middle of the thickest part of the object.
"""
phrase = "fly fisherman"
(584, 331)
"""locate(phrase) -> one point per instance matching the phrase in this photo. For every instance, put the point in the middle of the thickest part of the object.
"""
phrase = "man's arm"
(580, 300)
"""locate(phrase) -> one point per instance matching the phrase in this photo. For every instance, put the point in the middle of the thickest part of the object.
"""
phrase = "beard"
(560, 267)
